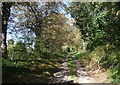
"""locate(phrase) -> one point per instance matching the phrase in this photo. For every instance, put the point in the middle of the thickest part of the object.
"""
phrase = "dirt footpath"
(85, 77)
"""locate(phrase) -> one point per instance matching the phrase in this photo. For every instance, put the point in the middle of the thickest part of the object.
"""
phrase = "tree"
(97, 22)
(80, 11)
(57, 33)
(20, 50)
(5, 16)
(32, 16)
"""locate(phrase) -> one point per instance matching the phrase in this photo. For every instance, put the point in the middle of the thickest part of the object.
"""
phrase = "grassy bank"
(30, 71)
(105, 58)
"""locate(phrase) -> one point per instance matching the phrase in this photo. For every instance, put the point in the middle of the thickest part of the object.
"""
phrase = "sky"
(11, 25)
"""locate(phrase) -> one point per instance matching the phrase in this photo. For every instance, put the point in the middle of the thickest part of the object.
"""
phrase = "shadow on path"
(83, 76)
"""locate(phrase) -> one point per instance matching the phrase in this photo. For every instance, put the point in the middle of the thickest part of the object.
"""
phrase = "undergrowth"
(106, 57)
(32, 70)
(71, 67)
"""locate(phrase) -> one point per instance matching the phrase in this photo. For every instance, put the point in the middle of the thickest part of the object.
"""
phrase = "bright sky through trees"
(82, 37)
(15, 36)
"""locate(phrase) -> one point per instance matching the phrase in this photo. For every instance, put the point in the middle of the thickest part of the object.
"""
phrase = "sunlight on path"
(83, 75)
(63, 75)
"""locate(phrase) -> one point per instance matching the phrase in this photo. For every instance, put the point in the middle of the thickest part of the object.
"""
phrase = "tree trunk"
(0, 31)
(5, 16)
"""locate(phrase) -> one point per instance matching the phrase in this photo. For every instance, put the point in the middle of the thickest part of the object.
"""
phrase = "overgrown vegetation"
(71, 67)
(30, 69)
(44, 33)
(99, 26)
(108, 57)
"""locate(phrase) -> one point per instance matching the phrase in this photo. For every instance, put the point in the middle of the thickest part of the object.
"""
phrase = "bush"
(108, 57)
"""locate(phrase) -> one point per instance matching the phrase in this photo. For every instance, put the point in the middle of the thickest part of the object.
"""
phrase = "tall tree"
(56, 33)
(30, 14)
(97, 21)
(5, 16)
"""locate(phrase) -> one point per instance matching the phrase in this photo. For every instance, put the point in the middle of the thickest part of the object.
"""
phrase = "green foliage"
(98, 26)
(8, 62)
(97, 22)
(20, 50)
(71, 66)
(57, 35)
(108, 56)
(115, 75)
(10, 48)
(17, 50)
(82, 55)
(11, 41)
(33, 71)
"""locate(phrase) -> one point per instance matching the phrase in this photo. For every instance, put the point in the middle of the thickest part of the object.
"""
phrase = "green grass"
(71, 66)
(30, 72)
(114, 75)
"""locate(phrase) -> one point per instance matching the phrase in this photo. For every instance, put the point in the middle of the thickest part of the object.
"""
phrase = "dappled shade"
(60, 42)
